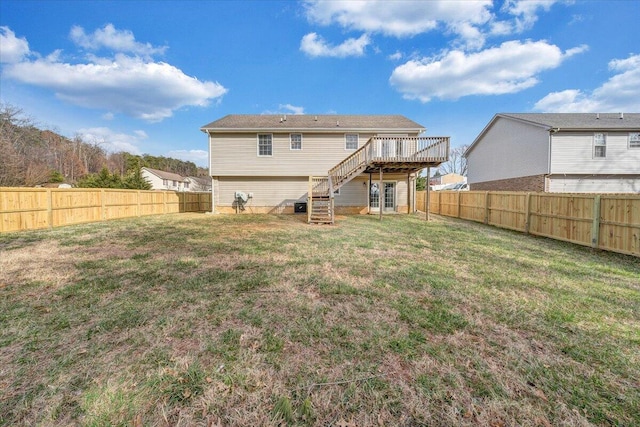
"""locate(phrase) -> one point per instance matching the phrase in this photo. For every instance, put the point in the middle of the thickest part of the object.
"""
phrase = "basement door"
(388, 196)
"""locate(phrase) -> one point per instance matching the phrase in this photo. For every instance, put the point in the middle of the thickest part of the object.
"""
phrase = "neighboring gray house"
(198, 183)
(161, 180)
(557, 152)
(358, 163)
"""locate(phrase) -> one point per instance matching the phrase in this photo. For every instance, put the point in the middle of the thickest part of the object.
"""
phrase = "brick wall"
(531, 183)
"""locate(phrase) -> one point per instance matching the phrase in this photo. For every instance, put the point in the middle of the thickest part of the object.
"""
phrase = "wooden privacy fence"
(605, 221)
(33, 208)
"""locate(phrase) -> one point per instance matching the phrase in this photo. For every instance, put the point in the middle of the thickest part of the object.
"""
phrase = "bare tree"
(457, 162)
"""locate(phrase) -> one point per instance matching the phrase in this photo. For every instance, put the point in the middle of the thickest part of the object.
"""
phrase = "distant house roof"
(200, 180)
(580, 121)
(559, 122)
(327, 122)
(165, 175)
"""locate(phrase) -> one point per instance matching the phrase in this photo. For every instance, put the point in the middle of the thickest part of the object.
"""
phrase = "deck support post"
(427, 200)
(380, 195)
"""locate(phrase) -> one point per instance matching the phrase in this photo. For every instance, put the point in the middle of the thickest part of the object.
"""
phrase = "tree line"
(31, 156)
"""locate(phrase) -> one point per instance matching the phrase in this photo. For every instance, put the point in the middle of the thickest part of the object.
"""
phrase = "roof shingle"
(308, 121)
(576, 121)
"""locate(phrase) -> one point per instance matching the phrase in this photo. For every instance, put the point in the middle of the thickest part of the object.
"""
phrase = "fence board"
(34, 208)
(607, 221)
(620, 224)
(472, 206)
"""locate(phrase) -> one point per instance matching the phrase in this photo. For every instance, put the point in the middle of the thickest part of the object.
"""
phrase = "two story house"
(320, 164)
(557, 152)
(161, 180)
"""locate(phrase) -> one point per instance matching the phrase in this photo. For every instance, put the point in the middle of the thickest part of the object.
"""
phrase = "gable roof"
(299, 122)
(164, 175)
(559, 122)
(580, 121)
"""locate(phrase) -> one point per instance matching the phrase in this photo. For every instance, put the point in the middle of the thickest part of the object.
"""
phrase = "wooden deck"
(379, 154)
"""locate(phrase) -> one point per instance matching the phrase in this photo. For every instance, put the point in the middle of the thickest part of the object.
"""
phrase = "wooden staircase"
(380, 153)
(319, 204)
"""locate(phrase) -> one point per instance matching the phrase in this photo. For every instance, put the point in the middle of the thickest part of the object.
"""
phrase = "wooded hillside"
(31, 156)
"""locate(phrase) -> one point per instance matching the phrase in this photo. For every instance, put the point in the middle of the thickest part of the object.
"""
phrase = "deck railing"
(419, 149)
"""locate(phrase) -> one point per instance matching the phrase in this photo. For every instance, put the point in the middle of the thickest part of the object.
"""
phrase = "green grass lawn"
(264, 320)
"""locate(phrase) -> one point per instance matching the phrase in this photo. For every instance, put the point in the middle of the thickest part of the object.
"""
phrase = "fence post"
(164, 202)
(50, 207)
(103, 210)
(595, 227)
(458, 196)
(486, 207)
(139, 209)
(527, 208)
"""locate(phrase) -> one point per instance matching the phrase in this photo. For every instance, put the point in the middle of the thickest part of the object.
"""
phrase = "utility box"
(300, 207)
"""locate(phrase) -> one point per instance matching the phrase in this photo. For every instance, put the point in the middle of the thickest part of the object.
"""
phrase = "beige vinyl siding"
(509, 149)
(267, 191)
(285, 191)
(354, 193)
(572, 153)
(235, 154)
(594, 184)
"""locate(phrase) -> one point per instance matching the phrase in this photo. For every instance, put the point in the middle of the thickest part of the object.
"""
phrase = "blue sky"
(144, 76)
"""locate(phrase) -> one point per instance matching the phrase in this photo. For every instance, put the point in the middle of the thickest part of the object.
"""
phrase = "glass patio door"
(388, 196)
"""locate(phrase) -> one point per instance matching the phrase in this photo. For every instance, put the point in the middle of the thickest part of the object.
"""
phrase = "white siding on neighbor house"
(509, 149)
(156, 181)
(572, 153)
(594, 184)
(236, 154)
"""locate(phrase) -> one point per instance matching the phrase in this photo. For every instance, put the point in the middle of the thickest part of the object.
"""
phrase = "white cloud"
(12, 49)
(314, 45)
(620, 93)
(199, 157)
(113, 141)
(469, 21)
(526, 12)
(400, 18)
(291, 108)
(395, 56)
(132, 85)
(511, 67)
(113, 39)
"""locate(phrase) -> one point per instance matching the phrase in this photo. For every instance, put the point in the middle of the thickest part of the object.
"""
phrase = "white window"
(165, 182)
(634, 140)
(599, 145)
(351, 141)
(296, 141)
(265, 145)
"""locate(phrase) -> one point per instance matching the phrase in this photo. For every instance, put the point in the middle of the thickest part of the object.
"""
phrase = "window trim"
(595, 145)
(270, 135)
(636, 143)
(291, 142)
(357, 135)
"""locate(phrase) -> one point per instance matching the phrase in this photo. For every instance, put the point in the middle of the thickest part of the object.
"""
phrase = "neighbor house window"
(165, 182)
(599, 145)
(634, 140)
(296, 141)
(265, 145)
(351, 141)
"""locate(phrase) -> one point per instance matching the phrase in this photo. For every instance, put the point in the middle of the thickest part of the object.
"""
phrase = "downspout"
(213, 194)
